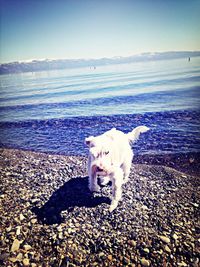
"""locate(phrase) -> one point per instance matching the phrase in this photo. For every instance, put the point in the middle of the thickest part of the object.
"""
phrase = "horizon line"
(99, 58)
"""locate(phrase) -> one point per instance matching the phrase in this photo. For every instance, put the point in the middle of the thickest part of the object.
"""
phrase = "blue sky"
(36, 29)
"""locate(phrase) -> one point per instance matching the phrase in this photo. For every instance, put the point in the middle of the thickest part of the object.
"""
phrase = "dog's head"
(101, 152)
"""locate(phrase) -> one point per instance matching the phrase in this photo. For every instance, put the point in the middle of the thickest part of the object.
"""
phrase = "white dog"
(110, 158)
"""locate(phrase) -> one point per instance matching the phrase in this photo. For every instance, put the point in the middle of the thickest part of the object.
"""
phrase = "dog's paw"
(113, 206)
(103, 180)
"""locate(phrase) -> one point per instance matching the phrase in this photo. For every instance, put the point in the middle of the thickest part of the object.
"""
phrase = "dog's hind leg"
(117, 181)
(126, 167)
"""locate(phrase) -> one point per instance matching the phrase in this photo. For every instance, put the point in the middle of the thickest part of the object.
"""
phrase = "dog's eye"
(107, 152)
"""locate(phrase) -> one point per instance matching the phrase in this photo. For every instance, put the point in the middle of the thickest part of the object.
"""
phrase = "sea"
(54, 111)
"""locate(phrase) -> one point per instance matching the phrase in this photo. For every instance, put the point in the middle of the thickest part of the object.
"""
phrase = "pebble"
(8, 229)
(167, 249)
(60, 235)
(145, 262)
(12, 259)
(101, 254)
(27, 247)
(70, 230)
(18, 231)
(4, 256)
(34, 200)
(19, 256)
(110, 257)
(146, 250)
(182, 264)
(160, 251)
(195, 205)
(82, 231)
(21, 217)
(165, 239)
(15, 245)
(25, 262)
(33, 221)
(132, 243)
(174, 236)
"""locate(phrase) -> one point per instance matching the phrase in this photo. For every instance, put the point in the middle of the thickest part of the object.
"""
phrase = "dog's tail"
(134, 135)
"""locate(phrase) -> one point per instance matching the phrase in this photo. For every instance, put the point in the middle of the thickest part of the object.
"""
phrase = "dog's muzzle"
(99, 171)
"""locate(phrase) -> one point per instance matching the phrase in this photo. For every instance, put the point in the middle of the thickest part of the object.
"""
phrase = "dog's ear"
(88, 140)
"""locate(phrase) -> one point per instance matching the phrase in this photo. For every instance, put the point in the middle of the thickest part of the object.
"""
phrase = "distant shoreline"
(57, 64)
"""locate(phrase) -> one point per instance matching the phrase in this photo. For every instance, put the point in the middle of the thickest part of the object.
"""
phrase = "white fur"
(110, 157)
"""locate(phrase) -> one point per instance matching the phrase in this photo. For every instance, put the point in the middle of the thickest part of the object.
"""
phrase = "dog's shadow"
(74, 193)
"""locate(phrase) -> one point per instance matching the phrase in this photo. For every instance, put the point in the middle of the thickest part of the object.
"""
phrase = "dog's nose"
(99, 169)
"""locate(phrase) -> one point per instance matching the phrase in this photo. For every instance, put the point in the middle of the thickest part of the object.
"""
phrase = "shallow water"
(171, 132)
(54, 111)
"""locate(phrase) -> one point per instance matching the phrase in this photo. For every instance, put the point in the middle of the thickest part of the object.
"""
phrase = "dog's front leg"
(93, 186)
(117, 181)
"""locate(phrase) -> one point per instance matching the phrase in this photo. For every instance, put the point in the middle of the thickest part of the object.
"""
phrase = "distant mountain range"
(47, 64)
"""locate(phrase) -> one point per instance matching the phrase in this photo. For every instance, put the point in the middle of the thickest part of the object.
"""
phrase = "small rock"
(69, 230)
(165, 239)
(183, 176)
(34, 200)
(182, 264)
(27, 247)
(146, 250)
(21, 217)
(101, 254)
(59, 229)
(195, 205)
(144, 207)
(167, 249)
(12, 259)
(145, 262)
(15, 245)
(33, 221)
(4, 256)
(60, 235)
(132, 243)
(25, 262)
(20, 256)
(8, 229)
(160, 251)
(18, 230)
(110, 257)
(174, 236)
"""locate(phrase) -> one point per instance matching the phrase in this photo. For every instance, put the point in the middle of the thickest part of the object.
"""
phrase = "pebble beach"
(49, 218)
